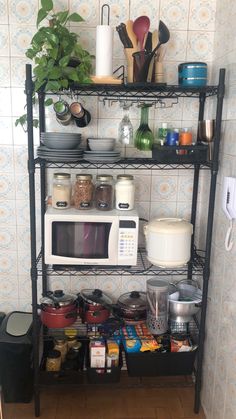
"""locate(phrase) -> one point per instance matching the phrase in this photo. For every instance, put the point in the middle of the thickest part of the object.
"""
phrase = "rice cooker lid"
(170, 226)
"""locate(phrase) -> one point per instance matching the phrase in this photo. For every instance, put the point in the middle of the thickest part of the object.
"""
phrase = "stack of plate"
(61, 140)
(102, 156)
(59, 155)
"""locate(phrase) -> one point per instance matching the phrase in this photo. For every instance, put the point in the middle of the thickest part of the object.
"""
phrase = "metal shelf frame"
(133, 92)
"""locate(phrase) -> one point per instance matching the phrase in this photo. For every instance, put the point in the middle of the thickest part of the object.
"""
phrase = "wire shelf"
(125, 163)
(143, 267)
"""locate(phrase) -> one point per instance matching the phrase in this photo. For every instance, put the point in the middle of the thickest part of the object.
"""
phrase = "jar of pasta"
(61, 346)
(53, 362)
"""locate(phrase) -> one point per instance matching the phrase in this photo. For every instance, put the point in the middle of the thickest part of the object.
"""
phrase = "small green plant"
(59, 60)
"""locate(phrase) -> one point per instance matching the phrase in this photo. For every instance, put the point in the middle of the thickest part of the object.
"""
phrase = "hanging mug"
(63, 114)
(81, 115)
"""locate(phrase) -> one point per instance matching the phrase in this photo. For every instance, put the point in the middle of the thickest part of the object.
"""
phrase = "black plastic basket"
(151, 364)
(180, 154)
(103, 375)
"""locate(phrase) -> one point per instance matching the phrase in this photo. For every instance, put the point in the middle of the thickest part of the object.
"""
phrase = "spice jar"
(71, 341)
(83, 191)
(104, 192)
(61, 346)
(124, 192)
(61, 191)
(53, 362)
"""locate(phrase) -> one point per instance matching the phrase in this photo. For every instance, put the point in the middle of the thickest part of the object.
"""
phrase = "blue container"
(192, 74)
(172, 138)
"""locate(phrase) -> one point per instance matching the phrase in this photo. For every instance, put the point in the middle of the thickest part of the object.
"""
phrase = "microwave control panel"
(128, 238)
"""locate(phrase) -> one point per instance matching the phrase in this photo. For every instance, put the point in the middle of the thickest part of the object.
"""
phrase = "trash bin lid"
(18, 323)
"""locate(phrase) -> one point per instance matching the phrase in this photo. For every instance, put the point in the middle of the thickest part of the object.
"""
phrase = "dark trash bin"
(16, 373)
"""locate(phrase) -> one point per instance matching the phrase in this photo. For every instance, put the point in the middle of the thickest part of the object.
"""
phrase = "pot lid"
(58, 298)
(170, 226)
(95, 296)
(133, 300)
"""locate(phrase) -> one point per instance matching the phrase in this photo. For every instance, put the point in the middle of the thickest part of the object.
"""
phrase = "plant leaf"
(35, 123)
(64, 61)
(54, 74)
(75, 17)
(41, 15)
(47, 5)
(64, 83)
(48, 102)
(62, 16)
(52, 85)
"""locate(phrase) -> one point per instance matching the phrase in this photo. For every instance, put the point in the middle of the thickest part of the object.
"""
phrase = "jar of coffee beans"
(104, 192)
(83, 191)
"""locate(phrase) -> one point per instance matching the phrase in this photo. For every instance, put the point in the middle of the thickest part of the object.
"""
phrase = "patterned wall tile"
(6, 160)
(8, 287)
(24, 261)
(142, 188)
(185, 188)
(177, 46)
(18, 71)
(119, 11)
(200, 46)
(133, 283)
(4, 41)
(202, 15)
(20, 38)
(60, 5)
(8, 263)
(8, 305)
(87, 38)
(3, 12)
(89, 11)
(148, 8)
(8, 238)
(160, 209)
(21, 159)
(5, 72)
(111, 286)
(25, 287)
(23, 11)
(164, 188)
(6, 130)
(7, 212)
(175, 13)
(7, 186)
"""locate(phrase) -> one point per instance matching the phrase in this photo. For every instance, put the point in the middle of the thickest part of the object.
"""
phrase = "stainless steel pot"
(182, 311)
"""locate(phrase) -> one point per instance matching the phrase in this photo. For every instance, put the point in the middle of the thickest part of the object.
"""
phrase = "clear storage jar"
(61, 190)
(53, 362)
(124, 192)
(83, 191)
(104, 192)
(61, 346)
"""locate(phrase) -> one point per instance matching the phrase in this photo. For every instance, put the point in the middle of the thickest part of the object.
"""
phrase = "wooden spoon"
(131, 34)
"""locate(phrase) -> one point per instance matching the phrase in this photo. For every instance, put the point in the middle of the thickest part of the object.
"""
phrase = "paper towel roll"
(104, 39)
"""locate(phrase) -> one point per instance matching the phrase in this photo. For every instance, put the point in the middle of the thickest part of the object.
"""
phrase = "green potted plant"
(59, 60)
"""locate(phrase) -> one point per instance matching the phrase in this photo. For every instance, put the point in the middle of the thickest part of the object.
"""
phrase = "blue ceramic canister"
(192, 74)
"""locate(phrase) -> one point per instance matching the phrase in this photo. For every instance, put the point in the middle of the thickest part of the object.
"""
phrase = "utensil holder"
(130, 63)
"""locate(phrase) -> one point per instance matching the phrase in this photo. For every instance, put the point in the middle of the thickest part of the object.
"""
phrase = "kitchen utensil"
(188, 289)
(168, 241)
(157, 306)
(131, 306)
(131, 34)
(123, 35)
(182, 311)
(148, 43)
(164, 36)
(155, 40)
(206, 131)
(58, 309)
(94, 305)
(141, 27)
(192, 74)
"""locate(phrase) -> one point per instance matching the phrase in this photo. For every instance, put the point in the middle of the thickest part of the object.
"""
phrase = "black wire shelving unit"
(200, 260)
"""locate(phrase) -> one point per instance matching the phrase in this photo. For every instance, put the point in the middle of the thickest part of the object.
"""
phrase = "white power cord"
(228, 241)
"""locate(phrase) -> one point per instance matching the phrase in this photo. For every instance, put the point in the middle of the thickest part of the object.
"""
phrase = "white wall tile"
(174, 13)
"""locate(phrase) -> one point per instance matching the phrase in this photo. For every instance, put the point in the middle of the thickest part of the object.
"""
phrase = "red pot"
(96, 316)
(94, 306)
(58, 319)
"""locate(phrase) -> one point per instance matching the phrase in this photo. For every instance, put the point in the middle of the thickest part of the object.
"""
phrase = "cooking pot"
(58, 310)
(131, 306)
(187, 304)
(168, 241)
(94, 306)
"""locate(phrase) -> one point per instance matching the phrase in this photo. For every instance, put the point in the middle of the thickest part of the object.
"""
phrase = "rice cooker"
(168, 241)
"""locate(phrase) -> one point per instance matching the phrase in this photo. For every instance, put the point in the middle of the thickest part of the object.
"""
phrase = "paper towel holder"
(108, 13)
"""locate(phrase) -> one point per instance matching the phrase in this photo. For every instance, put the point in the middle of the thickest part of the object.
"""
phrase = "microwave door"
(88, 240)
(100, 242)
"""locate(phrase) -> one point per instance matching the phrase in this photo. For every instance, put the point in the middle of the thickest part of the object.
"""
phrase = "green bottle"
(144, 137)
(162, 133)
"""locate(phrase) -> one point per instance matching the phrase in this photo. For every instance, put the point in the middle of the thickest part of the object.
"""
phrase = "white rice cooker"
(168, 241)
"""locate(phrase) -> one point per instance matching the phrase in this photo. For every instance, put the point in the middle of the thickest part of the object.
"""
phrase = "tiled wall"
(157, 194)
(219, 384)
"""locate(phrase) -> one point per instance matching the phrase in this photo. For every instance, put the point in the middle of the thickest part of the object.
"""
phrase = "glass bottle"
(124, 192)
(104, 192)
(125, 130)
(61, 190)
(144, 136)
(83, 191)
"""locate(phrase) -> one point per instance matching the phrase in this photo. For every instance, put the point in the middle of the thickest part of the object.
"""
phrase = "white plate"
(60, 134)
(102, 159)
(102, 153)
(61, 159)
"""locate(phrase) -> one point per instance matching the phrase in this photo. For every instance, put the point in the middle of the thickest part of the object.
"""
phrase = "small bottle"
(83, 191)
(61, 346)
(162, 134)
(124, 192)
(53, 362)
(125, 130)
(104, 192)
(61, 190)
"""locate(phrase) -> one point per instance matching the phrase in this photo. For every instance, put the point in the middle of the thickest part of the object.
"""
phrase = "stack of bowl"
(60, 146)
(101, 144)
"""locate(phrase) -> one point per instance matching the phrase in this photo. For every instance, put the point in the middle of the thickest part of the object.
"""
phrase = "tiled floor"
(162, 398)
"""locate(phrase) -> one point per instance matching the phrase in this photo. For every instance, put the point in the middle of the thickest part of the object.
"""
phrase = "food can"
(192, 74)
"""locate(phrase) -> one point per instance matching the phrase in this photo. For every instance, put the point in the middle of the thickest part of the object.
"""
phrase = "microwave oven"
(93, 237)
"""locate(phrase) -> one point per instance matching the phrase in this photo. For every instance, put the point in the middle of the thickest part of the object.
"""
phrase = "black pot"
(132, 306)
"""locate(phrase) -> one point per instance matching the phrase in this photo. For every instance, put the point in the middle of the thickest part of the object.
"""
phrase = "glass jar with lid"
(53, 362)
(124, 192)
(61, 190)
(61, 346)
(83, 191)
(104, 192)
